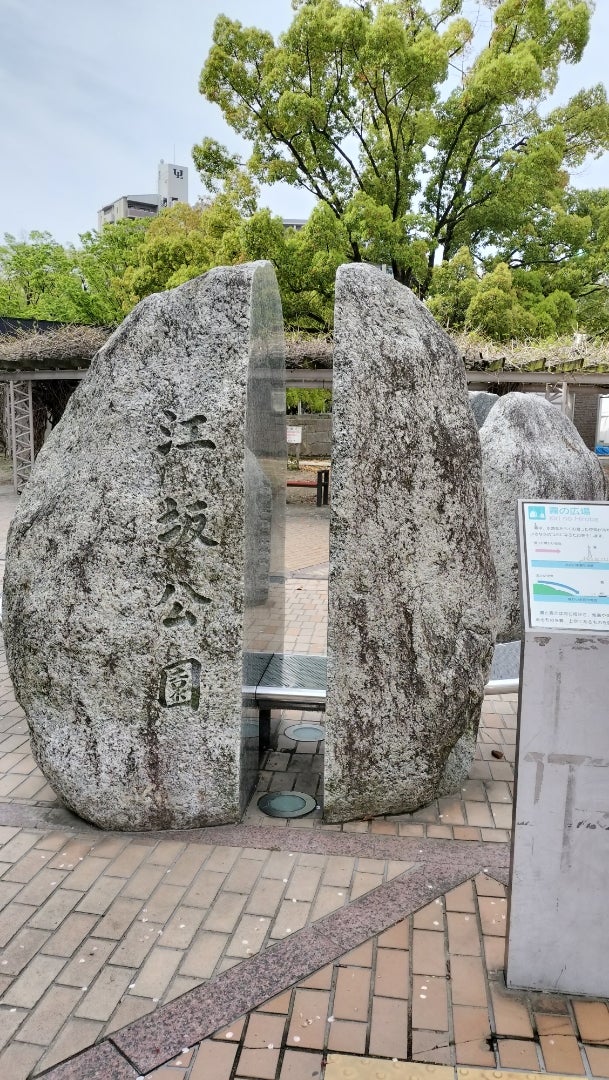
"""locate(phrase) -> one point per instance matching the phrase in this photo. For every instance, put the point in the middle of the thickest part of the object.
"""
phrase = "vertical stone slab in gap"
(145, 560)
(412, 588)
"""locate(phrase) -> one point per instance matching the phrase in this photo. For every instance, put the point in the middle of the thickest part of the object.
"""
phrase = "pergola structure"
(40, 364)
(36, 357)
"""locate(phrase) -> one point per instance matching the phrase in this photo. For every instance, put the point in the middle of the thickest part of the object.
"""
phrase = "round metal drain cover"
(286, 804)
(305, 732)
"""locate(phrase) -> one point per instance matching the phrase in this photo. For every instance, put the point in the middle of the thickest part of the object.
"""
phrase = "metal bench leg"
(264, 730)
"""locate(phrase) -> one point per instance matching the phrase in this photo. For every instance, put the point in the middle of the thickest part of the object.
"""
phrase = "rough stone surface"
(141, 560)
(412, 583)
(530, 450)
(481, 403)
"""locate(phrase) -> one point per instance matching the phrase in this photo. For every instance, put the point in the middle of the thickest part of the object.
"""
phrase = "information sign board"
(294, 434)
(566, 562)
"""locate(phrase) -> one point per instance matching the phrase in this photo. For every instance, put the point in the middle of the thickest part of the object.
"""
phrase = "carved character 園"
(180, 684)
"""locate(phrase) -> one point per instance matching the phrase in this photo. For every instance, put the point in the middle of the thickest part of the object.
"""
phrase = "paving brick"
(301, 1066)
(17, 846)
(259, 1064)
(494, 953)
(25, 869)
(264, 1028)
(428, 953)
(561, 1054)
(182, 927)
(22, 948)
(309, 1019)
(472, 1031)
(433, 1047)
(128, 860)
(328, 899)
(69, 854)
(104, 891)
(213, 1059)
(598, 1059)
(518, 1054)
(511, 1011)
(76, 1035)
(163, 902)
(144, 881)
(204, 889)
(225, 912)
(233, 1033)
(127, 1011)
(203, 955)
(278, 865)
(592, 1020)
(166, 852)
(468, 984)
(352, 993)
(118, 918)
(319, 980)
(430, 917)
(12, 919)
(461, 898)
(493, 912)
(222, 859)
(243, 876)
(188, 864)
(86, 873)
(157, 972)
(249, 936)
(462, 934)
(107, 990)
(89, 959)
(136, 944)
(51, 914)
(389, 1028)
(392, 974)
(10, 1019)
(41, 887)
(347, 1037)
(339, 871)
(292, 916)
(110, 847)
(429, 1003)
(359, 957)
(397, 937)
(304, 882)
(266, 897)
(33, 981)
(364, 883)
(50, 1014)
(18, 1060)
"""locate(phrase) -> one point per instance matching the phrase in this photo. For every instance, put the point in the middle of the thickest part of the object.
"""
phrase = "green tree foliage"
(310, 401)
(359, 104)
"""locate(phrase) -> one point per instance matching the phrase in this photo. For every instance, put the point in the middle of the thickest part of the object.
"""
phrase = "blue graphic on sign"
(537, 513)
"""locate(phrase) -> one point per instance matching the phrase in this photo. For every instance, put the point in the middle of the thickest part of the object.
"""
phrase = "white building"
(172, 187)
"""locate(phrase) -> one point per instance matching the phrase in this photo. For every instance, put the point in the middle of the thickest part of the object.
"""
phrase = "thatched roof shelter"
(64, 348)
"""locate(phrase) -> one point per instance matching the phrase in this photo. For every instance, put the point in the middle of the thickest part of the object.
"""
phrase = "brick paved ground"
(267, 949)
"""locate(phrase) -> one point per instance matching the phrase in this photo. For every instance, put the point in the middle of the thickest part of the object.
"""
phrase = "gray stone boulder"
(481, 403)
(530, 450)
(412, 590)
(143, 553)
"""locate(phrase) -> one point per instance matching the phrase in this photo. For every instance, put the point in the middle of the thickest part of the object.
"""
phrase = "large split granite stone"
(530, 450)
(412, 588)
(145, 560)
(481, 402)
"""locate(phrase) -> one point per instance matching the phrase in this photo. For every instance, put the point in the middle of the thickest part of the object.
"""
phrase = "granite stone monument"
(530, 450)
(412, 591)
(144, 553)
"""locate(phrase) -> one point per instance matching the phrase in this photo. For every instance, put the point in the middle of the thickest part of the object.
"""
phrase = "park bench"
(299, 681)
(322, 484)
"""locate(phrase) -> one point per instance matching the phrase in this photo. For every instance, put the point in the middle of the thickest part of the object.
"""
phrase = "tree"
(359, 105)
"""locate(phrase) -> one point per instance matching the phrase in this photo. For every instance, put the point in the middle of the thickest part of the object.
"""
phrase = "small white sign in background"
(294, 434)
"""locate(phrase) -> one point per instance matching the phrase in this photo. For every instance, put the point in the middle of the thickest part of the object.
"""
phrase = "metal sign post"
(558, 928)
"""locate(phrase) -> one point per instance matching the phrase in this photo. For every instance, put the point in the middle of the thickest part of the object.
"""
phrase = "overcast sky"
(95, 92)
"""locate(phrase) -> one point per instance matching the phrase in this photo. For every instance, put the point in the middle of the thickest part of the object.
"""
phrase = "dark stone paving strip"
(310, 841)
(101, 1062)
(157, 1038)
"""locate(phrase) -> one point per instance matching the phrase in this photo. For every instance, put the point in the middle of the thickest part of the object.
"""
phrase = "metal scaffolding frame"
(21, 426)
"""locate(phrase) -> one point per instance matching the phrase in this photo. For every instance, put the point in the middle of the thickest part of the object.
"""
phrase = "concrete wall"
(316, 434)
